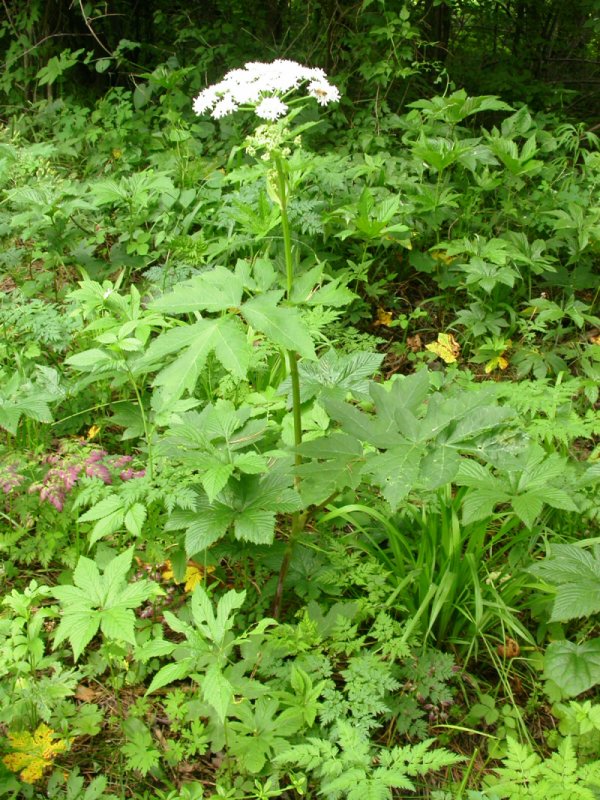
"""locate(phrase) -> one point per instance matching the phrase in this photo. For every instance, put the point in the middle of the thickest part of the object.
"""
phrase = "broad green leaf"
(215, 478)
(331, 294)
(407, 392)
(209, 525)
(232, 347)
(568, 563)
(103, 509)
(86, 576)
(176, 671)
(217, 691)
(213, 291)
(480, 503)
(79, 626)
(91, 360)
(282, 324)
(107, 525)
(575, 668)
(135, 518)
(251, 463)
(439, 466)
(115, 575)
(335, 375)
(339, 459)
(477, 421)
(362, 426)
(527, 507)
(255, 525)
(183, 373)
(117, 623)
(177, 339)
(231, 601)
(396, 471)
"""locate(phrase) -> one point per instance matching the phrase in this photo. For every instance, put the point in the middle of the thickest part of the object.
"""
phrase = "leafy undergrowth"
(299, 463)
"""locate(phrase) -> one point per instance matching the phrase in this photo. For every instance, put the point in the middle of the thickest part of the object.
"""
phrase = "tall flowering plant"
(275, 92)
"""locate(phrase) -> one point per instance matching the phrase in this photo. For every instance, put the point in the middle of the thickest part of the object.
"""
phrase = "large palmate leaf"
(525, 484)
(421, 437)
(248, 506)
(336, 375)
(100, 601)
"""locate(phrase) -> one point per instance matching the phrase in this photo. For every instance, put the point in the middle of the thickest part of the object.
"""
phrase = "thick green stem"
(298, 520)
(282, 191)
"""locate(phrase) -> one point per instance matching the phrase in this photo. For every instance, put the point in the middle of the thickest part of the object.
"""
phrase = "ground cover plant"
(298, 432)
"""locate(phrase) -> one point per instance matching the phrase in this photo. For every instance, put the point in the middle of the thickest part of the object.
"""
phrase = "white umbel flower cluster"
(262, 85)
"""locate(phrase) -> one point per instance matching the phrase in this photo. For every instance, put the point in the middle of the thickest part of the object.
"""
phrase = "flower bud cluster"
(262, 86)
(67, 467)
(10, 477)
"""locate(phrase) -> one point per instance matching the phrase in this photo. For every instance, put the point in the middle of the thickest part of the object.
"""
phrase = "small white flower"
(205, 100)
(226, 105)
(271, 108)
(323, 92)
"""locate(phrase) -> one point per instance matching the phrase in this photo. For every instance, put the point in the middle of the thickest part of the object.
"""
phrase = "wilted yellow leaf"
(194, 574)
(442, 255)
(93, 432)
(383, 318)
(496, 363)
(33, 752)
(446, 348)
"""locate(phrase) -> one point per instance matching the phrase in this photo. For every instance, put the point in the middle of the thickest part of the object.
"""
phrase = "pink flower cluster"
(67, 467)
(10, 477)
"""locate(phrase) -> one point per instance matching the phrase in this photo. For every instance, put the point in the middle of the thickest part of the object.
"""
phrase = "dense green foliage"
(299, 455)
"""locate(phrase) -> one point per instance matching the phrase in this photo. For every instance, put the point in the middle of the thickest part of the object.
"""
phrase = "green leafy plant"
(102, 602)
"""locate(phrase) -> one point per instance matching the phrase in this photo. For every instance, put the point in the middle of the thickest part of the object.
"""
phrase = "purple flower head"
(131, 474)
(99, 471)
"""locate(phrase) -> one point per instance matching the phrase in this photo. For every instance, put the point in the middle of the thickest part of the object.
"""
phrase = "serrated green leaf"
(217, 691)
(117, 623)
(480, 503)
(103, 509)
(250, 463)
(213, 291)
(527, 507)
(79, 627)
(86, 576)
(182, 374)
(396, 471)
(576, 600)
(208, 525)
(232, 347)
(362, 426)
(255, 525)
(282, 324)
(176, 671)
(215, 478)
(135, 518)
